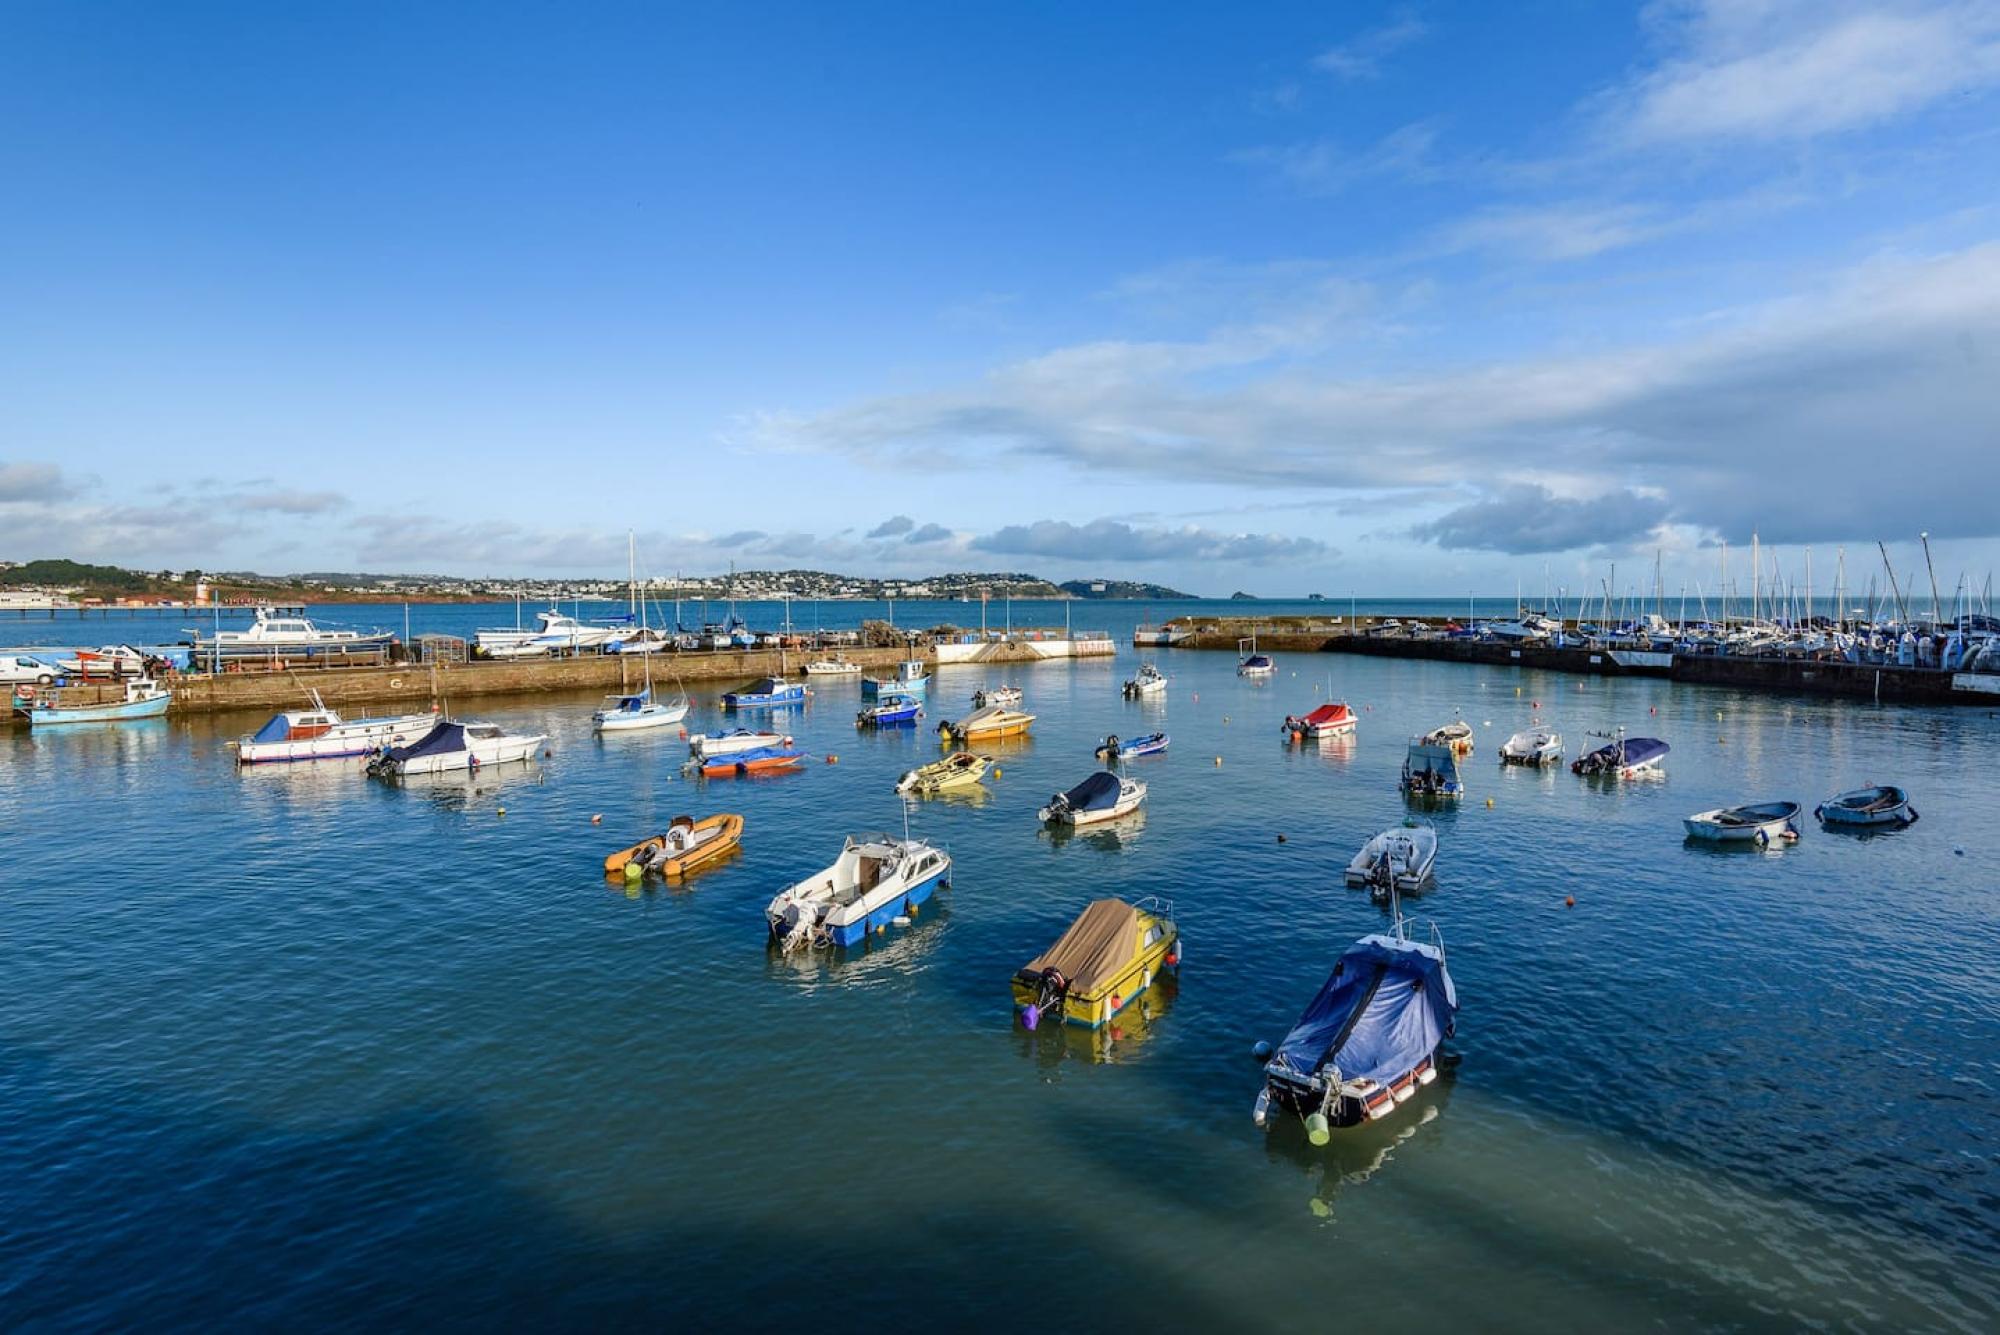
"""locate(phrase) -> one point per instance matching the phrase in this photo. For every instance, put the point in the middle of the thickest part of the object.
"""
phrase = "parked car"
(23, 669)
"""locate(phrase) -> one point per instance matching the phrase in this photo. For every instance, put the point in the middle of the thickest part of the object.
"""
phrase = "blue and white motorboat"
(1624, 758)
(1101, 797)
(890, 710)
(876, 881)
(911, 678)
(767, 693)
(450, 746)
(320, 733)
(144, 698)
(704, 745)
(1124, 748)
(1369, 1039)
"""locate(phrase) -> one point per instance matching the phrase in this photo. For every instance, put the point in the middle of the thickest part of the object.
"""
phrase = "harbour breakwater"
(1886, 682)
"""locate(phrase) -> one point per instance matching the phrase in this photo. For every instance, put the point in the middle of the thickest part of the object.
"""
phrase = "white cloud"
(1361, 56)
(1324, 167)
(1793, 69)
(33, 482)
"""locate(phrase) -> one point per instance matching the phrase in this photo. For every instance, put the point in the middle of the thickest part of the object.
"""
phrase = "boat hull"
(1368, 1101)
(122, 711)
(1125, 806)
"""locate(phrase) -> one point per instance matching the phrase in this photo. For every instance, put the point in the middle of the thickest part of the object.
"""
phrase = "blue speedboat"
(910, 679)
(766, 692)
(1124, 748)
(893, 709)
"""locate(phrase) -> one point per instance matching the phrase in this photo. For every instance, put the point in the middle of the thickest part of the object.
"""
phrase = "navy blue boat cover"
(441, 738)
(1383, 1010)
(277, 730)
(762, 686)
(1096, 793)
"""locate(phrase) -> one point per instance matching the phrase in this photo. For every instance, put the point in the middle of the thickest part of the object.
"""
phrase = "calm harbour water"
(290, 1047)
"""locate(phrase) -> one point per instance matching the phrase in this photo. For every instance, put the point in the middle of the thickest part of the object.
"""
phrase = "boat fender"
(1281, 838)
(1030, 1017)
(1317, 1130)
(1261, 1050)
(501, 812)
(633, 871)
(1117, 1003)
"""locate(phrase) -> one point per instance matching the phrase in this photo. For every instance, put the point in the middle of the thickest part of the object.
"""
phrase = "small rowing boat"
(1759, 824)
(687, 846)
(960, 769)
(1865, 807)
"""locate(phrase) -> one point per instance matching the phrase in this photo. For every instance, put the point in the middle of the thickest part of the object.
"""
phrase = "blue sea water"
(293, 1048)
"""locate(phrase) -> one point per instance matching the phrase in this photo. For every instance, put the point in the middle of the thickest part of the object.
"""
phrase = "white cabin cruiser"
(451, 745)
(1149, 680)
(320, 733)
(285, 632)
(875, 881)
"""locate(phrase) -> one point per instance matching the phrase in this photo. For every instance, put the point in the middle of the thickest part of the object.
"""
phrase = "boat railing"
(1154, 904)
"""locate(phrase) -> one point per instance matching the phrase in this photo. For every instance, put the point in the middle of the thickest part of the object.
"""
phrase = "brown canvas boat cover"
(1099, 944)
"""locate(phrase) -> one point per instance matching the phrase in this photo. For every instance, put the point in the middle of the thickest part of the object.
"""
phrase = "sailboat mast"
(1936, 611)
(1756, 580)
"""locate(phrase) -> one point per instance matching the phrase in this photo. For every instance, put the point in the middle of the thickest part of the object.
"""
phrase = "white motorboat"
(876, 881)
(629, 713)
(284, 632)
(1760, 824)
(996, 695)
(833, 667)
(1101, 797)
(113, 660)
(1400, 859)
(1149, 680)
(1250, 663)
(704, 745)
(451, 745)
(1534, 746)
(1886, 805)
(320, 733)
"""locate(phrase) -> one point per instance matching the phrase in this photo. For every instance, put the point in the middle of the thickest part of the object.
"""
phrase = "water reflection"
(461, 789)
(1108, 836)
(1355, 1154)
(889, 956)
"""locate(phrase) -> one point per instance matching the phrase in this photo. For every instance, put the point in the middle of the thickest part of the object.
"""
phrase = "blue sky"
(1396, 298)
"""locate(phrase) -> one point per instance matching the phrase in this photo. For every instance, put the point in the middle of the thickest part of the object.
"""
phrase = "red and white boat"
(1334, 719)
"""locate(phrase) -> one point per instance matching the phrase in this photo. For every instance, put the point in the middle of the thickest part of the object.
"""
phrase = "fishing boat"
(451, 745)
(890, 709)
(1250, 663)
(320, 733)
(1761, 824)
(705, 745)
(1431, 770)
(876, 881)
(960, 769)
(1457, 735)
(1865, 807)
(1123, 748)
(1535, 746)
(1368, 1040)
(1160, 636)
(144, 698)
(766, 693)
(1101, 797)
(284, 632)
(1149, 680)
(910, 678)
(833, 667)
(996, 695)
(992, 721)
(688, 845)
(1103, 962)
(625, 713)
(1329, 720)
(761, 760)
(1398, 859)
(1624, 758)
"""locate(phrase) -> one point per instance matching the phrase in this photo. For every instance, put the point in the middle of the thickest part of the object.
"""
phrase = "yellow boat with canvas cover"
(1109, 956)
(960, 769)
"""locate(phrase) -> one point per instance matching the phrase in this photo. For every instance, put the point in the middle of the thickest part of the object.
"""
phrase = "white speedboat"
(113, 660)
(1761, 824)
(1535, 746)
(1399, 859)
(996, 695)
(1862, 808)
(704, 745)
(875, 882)
(320, 733)
(1101, 797)
(1149, 680)
(451, 745)
(280, 632)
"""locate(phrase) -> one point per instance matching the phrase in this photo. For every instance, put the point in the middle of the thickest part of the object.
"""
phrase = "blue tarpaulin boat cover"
(444, 737)
(277, 730)
(1386, 1007)
(1099, 792)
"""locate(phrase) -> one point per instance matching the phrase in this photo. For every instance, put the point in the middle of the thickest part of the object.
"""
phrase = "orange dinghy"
(688, 845)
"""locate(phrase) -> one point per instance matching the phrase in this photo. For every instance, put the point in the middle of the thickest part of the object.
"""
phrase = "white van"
(20, 669)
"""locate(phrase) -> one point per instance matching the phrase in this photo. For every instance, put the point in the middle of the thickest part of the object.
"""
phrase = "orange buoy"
(598, 819)
(1569, 901)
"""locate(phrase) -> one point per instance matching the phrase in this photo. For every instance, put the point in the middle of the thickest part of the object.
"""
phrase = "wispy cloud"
(1361, 56)
(290, 501)
(1109, 541)
(892, 527)
(1325, 167)
(1529, 518)
(1794, 69)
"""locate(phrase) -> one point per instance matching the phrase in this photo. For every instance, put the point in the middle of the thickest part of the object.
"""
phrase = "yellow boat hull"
(1097, 1008)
